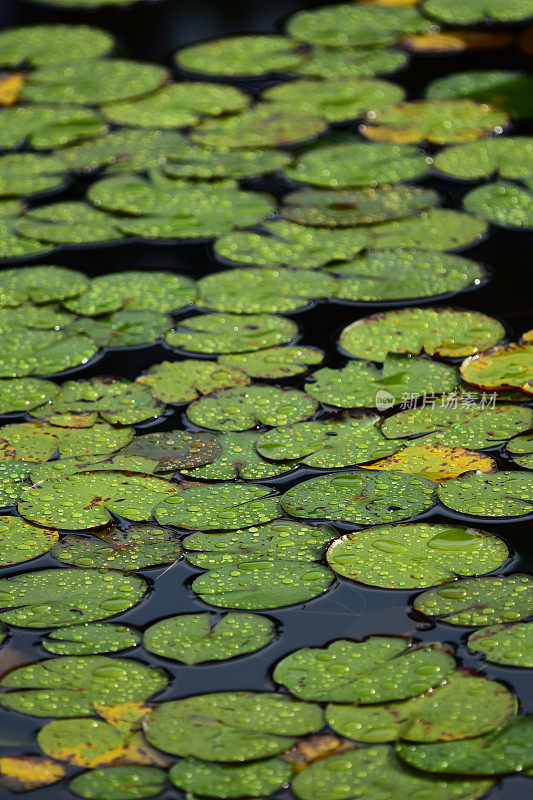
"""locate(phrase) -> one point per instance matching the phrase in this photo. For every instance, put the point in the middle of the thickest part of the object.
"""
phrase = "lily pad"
(126, 328)
(69, 222)
(479, 601)
(324, 62)
(230, 780)
(287, 244)
(231, 333)
(25, 394)
(13, 481)
(42, 45)
(231, 726)
(22, 541)
(237, 409)
(224, 506)
(182, 381)
(45, 127)
(501, 367)
(124, 150)
(458, 40)
(500, 494)
(509, 645)
(72, 686)
(24, 773)
(361, 383)
(415, 555)
(41, 284)
(510, 91)
(90, 639)
(12, 245)
(45, 317)
(434, 121)
(239, 459)
(277, 362)
(136, 547)
(356, 164)
(173, 450)
(378, 669)
(196, 638)
(501, 203)
(202, 164)
(479, 11)
(496, 753)
(88, 499)
(356, 207)
(25, 174)
(507, 157)
(119, 783)
(364, 498)
(437, 331)
(135, 289)
(263, 126)
(39, 441)
(52, 598)
(92, 82)
(438, 462)
(255, 54)
(436, 229)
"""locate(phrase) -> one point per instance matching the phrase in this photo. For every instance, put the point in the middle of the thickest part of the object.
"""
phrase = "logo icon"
(384, 400)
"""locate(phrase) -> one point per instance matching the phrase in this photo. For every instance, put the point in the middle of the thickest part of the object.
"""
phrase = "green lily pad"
(136, 547)
(177, 105)
(45, 317)
(196, 638)
(237, 409)
(401, 274)
(415, 555)
(262, 583)
(263, 126)
(119, 461)
(510, 91)
(255, 54)
(496, 753)
(510, 645)
(87, 499)
(39, 441)
(464, 424)
(71, 686)
(238, 459)
(463, 707)
(44, 127)
(364, 498)
(357, 206)
(119, 783)
(22, 541)
(327, 443)
(202, 164)
(434, 121)
(174, 450)
(134, 289)
(25, 394)
(479, 601)
(12, 245)
(92, 82)
(230, 780)
(377, 772)
(124, 150)
(231, 726)
(51, 598)
(277, 362)
(285, 540)
(335, 99)
(507, 157)
(436, 331)
(324, 62)
(41, 284)
(91, 638)
(287, 244)
(436, 229)
(125, 328)
(70, 222)
(501, 367)
(231, 333)
(225, 506)
(378, 669)
(182, 381)
(356, 164)
(479, 11)
(13, 481)
(499, 494)
(42, 45)
(521, 446)
(24, 174)
(501, 203)
(350, 25)
(362, 384)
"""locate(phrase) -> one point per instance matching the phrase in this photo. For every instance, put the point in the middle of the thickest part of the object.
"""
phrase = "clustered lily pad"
(508, 90)
(91, 638)
(506, 157)
(502, 203)
(231, 333)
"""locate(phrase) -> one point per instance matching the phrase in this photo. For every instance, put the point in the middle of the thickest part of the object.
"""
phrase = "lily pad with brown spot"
(39, 441)
(231, 333)
(24, 773)
(22, 541)
(174, 450)
(501, 368)
(439, 462)
(126, 328)
(261, 127)
(508, 644)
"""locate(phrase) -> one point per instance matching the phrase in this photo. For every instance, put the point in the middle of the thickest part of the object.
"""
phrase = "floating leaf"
(438, 462)
(173, 450)
(25, 394)
(508, 90)
(13, 476)
(238, 459)
(263, 126)
(45, 317)
(126, 328)
(364, 498)
(457, 40)
(63, 467)
(12, 245)
(196, 638)
(231, 726)
(436, 229)
(479, 11)
(507, 644)
(415, 555)
(437, 331)
(21, 541)
(88, 499)
(71, 686)
(24, 773)
(323, 62)
(41, 284)
(90, 639)
(287, 244)
(501, 367)
(44, 127)
(225, 506)
(134, 289)
(136, 547)
(51, 598)
(253, 54)
(69, 222)
(181, 381)
(500, 494)
(202, 164)
(479, 601)
(361, 383)
(230, 780)
(124, 150)
(42, 45)
(24, 174)
(507, 157)
(39, 441)
(356, 207)
(277, 362)
(501, 203)
(376, 670)
(125, 782)
(231, 333)
(435, 121)
(237, 409)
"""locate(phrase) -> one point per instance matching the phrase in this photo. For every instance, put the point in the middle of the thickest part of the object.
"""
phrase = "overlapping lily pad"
(173, 450)
(69, 222)
(39, 441)
(21, 541)
(124, 150)
(508, 90)
(436, 331)
(24, 174)
(239, 459)
(12, 244)
(223, 780)
(436, 461)
(42, 45)
(13, 480)
(24, 773)
(415, 555)
(521, 448)
(128, 782)
(45, 127)
(364, 498)
(500, 494)
(202, 164)
(501, 368)
(507, 157)
(502, 203)
(436, 229)
(324, 62)
(25, 394)
(480, 601)
(182, 381)
(276, 362)
(507, 644)
(479, 11)
(255, 54)
(196, 638)
(126, 328)
(91, 638)
(263, 126)
(40, 285)
(231, 333)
